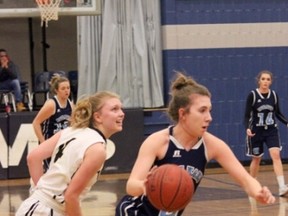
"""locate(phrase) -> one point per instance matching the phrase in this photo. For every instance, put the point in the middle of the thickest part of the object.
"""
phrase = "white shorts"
(33, 207)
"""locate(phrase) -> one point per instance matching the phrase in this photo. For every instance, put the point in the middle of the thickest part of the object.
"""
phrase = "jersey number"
(265, 121)
(61, 149)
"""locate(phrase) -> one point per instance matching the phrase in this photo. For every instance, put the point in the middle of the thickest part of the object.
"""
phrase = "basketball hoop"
(48, 9)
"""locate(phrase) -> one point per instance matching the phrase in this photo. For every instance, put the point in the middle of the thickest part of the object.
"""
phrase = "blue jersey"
(194, 161)
(58, 121)
(263, 109)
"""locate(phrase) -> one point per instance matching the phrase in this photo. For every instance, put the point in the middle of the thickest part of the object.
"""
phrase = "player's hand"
(150, 172)
(249, 133)
(145, 181)
(265, 196)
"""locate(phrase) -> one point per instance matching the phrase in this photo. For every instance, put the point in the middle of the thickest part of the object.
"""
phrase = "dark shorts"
(131, 206)
(270, 137)
(140, 206)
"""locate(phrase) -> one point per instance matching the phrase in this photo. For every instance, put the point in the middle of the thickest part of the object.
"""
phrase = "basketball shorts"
(140, 206)
(269, 137)
(33, 207)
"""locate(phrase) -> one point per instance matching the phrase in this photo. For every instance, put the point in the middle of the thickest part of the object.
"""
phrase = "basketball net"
(49, 10)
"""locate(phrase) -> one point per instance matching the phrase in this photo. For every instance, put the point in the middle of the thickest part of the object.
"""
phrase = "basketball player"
(262, 108)
(187, 144)
(77, 157)
(55, 113)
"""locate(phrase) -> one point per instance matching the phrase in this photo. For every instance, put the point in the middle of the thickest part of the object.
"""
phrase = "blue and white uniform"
(194, 161)
(58, 121)
(260, 118)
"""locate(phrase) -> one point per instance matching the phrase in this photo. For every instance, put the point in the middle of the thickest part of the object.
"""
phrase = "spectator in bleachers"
(9, 79)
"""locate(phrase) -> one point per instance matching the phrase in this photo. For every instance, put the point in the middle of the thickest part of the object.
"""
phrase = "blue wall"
(222, 11)
(229, 73)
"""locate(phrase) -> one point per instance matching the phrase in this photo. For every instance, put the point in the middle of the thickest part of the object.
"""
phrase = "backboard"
(29, 8)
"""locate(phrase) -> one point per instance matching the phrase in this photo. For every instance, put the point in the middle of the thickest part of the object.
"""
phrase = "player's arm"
(92, 163)
(44, 113)
(279, 114)
(248, 109)
(40, 153)
(147, 154)
(221, 152)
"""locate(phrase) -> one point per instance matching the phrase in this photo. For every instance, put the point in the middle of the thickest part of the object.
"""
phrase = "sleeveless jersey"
(58, 121)
(194, 161)
(263, 110)
(66, 159)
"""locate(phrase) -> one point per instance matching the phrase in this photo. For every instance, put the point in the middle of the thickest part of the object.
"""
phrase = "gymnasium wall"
(23, 37)
(223, 44)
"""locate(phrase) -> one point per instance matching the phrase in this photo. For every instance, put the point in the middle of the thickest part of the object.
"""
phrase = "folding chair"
(27, 96)
(41, 87)
(7, 96)
(61, 73)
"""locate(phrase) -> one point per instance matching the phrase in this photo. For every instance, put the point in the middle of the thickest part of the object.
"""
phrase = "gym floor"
(217, 195)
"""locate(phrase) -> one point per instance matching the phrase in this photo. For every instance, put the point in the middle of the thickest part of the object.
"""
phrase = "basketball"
(169, 188)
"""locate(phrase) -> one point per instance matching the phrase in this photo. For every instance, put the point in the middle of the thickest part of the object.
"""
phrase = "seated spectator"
(9, 78)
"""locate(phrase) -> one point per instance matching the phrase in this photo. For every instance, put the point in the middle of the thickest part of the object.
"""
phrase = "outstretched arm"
(220, 151)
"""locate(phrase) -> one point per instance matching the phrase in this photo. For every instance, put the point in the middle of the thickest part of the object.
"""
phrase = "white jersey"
(66, 159)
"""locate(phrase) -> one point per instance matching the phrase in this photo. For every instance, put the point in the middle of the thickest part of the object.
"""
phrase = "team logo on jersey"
(259, 101)
(177, 154)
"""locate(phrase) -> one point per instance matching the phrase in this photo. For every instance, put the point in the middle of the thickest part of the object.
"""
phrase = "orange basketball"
(169, 188)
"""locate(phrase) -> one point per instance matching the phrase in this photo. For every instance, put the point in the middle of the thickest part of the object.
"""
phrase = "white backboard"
(29, 8)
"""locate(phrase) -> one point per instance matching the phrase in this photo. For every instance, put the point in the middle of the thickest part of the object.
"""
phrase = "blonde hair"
(181, 90)
(55, 82)
(82, 115)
